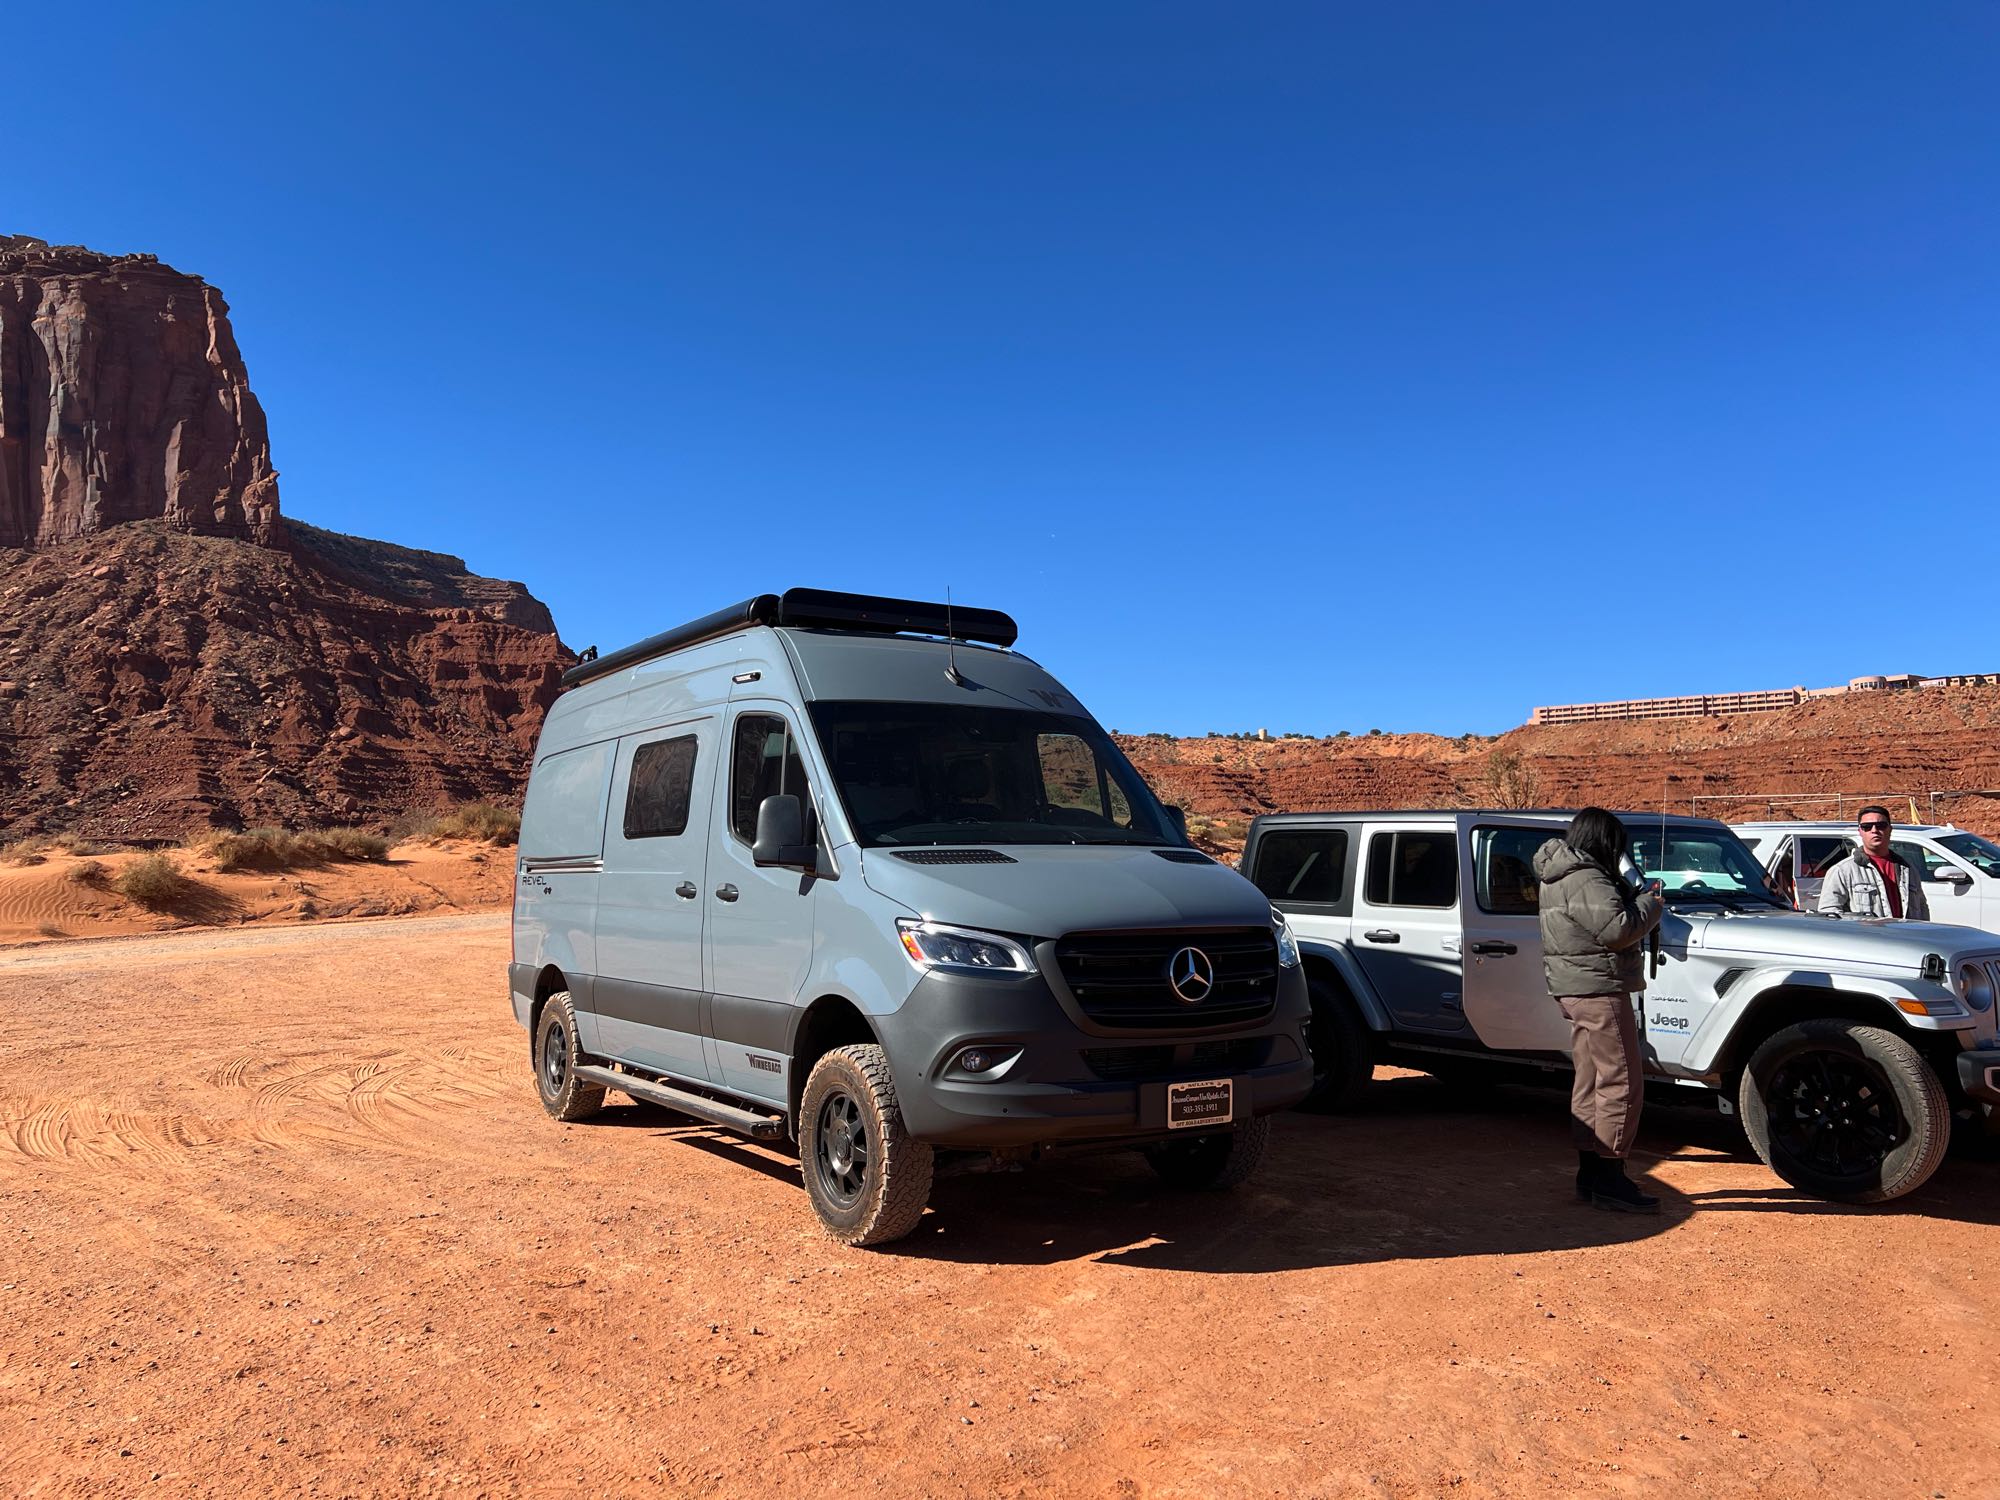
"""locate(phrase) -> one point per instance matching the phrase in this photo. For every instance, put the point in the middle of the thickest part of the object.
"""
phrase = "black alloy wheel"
(555, 1059)
(841, 1150)
(1835, 1113)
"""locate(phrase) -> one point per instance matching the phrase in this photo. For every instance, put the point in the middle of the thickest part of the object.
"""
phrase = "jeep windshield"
(1700, 864)
(950, 773)
(1974, 850)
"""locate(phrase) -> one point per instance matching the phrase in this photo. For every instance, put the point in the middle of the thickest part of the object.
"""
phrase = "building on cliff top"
(1699, 705)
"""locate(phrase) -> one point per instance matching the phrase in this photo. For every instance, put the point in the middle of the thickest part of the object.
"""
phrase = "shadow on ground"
(1423, 1171)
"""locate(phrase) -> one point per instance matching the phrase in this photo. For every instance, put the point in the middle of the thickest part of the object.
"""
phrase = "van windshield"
(948, 773)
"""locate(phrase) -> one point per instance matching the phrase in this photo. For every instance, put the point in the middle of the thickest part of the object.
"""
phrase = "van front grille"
(1189, 1060)
(1121, 979)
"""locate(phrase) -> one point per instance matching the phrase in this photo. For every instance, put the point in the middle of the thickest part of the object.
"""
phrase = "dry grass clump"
(281, 849)
(153, 881)
(89, 872)
(487, 822)
(36, 848)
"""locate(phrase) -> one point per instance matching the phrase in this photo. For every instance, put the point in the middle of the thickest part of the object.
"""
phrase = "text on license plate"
(1192, 1104)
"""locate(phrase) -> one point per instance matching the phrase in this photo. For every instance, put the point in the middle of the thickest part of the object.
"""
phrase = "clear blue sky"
(1315, 367)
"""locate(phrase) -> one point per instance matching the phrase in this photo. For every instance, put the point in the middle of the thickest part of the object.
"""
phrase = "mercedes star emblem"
(1191, 974)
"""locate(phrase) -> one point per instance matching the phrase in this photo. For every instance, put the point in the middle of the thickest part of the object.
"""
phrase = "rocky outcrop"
(123, 398)
(153, 683)
(173, 655)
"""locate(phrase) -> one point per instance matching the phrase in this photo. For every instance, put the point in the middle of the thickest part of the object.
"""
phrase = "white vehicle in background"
(1961, 871)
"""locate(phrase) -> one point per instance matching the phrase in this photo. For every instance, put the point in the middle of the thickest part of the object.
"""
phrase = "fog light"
(977, 1059)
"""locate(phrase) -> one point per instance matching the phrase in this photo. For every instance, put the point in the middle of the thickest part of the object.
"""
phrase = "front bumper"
(1979, 1075)
(1066, 1084)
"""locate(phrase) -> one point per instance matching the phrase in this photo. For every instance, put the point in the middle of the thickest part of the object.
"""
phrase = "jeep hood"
(1774, 934)
(1045, 892)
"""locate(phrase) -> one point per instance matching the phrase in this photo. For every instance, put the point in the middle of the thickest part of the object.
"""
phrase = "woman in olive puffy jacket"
(1594, 927)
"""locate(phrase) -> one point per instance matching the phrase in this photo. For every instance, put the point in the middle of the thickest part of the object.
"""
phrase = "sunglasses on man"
(1875, 827)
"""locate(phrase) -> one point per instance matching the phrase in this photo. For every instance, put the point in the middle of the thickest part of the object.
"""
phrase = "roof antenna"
(950, 647)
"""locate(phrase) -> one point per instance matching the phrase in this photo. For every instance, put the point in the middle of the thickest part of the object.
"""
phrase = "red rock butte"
(173, 654)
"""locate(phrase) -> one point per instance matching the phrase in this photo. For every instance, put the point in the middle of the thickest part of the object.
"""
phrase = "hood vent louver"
(954, 856)
(1184, 856)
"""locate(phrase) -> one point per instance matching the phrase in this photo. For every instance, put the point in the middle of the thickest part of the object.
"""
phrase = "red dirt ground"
(281, 1215)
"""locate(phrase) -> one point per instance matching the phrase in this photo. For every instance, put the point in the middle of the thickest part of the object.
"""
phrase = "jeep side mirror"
(781, 833)
(1176, 820)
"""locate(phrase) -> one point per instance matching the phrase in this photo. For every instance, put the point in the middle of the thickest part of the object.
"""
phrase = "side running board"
(745, 1122)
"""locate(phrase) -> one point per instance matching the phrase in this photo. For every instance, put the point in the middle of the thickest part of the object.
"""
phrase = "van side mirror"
(1176, 820)
(781, 833)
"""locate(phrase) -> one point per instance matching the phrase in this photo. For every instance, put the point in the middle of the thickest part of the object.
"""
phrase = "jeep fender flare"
(1721, 1030)
(1340, 958)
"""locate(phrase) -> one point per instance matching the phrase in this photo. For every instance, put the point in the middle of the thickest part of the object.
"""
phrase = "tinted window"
(1982, 855)
(656, 801)
(1503, 869)
(1698, 862)
(1819, 854)
(1306, 865)
(1416, 867)
(765, 764)
(956, 773)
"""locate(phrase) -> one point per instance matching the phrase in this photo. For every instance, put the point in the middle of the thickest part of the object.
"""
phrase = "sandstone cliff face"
(173, 655)
(122, 398)
(154, 683)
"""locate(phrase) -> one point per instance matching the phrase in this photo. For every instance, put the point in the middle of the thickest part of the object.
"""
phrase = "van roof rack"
(825, 608)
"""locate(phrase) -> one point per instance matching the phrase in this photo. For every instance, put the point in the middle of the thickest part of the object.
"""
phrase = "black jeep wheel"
(1343, 1061)
(1213, 1162)
(563, 1094)
(867, 1180)
(1845, 1111)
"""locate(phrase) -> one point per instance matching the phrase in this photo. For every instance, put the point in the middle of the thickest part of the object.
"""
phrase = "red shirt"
(1887, 868)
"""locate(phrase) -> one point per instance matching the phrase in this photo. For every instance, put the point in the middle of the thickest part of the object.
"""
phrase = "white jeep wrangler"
(1846, 1047)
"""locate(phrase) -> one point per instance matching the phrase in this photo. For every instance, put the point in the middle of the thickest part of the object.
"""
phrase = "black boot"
(1589, 1170)
(1615, 1191)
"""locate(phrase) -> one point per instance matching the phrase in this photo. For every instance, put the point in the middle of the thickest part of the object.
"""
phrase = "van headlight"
(1975, 986)
(961, 950)
(1288, 946)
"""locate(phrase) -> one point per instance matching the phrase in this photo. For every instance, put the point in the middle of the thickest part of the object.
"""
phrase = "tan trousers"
(1604, 1046)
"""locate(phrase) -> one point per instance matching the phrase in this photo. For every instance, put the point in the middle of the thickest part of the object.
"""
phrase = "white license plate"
(1193, 1104)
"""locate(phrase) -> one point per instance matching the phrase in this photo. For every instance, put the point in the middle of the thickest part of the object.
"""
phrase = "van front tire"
(1213, 1162)
(1844, 1111)
(867, 1179)
(562, 1093)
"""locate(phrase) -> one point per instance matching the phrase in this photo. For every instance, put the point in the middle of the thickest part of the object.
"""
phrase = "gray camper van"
(851, 871)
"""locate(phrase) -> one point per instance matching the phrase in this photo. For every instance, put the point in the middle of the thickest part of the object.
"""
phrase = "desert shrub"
(33, 849)
(49, 929)
(1511, 781)
(486, 821)
(280, 849)
(152, 881)
(15, 855)
(350, 843)
(89, 872)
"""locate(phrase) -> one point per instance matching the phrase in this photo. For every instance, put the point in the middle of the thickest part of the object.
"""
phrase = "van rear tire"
(1212, 1163)
(868, 1181)
(563, 1094)
(1843, 1111)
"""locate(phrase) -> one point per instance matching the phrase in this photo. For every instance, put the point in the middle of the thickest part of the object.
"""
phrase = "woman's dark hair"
(1599, 837)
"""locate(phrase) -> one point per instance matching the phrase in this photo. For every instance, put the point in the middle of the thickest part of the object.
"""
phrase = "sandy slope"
(52, 899)
(281, 1215)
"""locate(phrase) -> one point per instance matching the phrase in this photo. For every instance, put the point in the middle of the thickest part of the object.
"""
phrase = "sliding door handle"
(686, 891)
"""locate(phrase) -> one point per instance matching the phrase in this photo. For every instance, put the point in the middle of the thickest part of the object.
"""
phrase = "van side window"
(656, 799)
(564, 815)
(1503, 870)
(1302, 865)
(764, 762)
(1413, 867)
